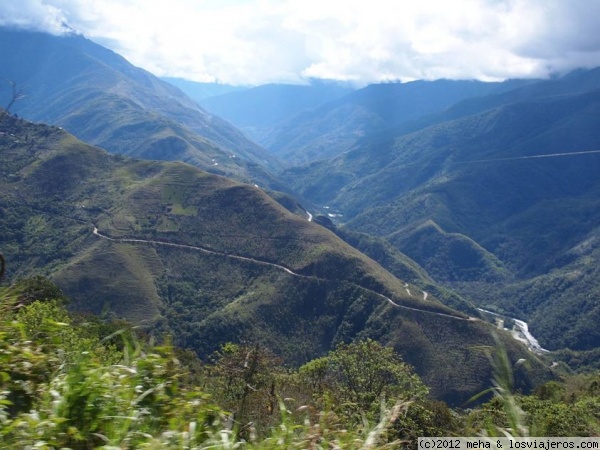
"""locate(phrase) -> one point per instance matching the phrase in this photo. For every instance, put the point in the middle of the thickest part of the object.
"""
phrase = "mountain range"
(210, 260)
(403, 207)
(259, 110)
(493, 196)
(302, 124)
(199, 91)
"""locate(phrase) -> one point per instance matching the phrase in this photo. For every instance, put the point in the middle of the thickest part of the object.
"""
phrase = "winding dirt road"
(270, 264)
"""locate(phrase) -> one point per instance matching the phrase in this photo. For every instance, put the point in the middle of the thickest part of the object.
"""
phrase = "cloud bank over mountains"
(260, 41)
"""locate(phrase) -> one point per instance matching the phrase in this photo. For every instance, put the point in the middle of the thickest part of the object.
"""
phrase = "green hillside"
(211, 260)
(448, 257)
(74, 382)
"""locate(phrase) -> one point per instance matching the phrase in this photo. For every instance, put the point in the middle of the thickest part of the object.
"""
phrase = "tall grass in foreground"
(64, 386)
(567, 408)
(503, 390)
(67, 384)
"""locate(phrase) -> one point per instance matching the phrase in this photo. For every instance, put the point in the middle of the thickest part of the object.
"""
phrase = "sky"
(252, 42)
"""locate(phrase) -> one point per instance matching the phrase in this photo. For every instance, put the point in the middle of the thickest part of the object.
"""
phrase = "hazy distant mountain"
(269, 104)
(101, 98)
(470, 200)
(199, 91)
(332, 128)
(576, 82)
(211, 260)
(259, 109)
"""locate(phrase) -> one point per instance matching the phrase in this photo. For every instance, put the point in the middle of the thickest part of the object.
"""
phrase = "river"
(520, 332)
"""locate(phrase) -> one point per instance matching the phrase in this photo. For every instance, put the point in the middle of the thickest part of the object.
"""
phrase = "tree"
(243, 379)
(17, 94)
(362, 374)
(38, 288)
(429, 418)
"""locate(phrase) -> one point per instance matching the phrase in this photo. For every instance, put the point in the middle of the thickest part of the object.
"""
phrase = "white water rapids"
(520, 332)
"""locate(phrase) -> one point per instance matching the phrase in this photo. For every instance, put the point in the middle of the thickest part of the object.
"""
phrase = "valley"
(487, 204)
(286, 225)
(442, 197)
(210, 260)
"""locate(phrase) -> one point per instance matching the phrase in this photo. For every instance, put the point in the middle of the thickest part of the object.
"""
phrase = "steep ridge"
(211, 260)
(98, 96)
(576, 82)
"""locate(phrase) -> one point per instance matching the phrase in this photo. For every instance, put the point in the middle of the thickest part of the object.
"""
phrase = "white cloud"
(33, 15)
(258, 41)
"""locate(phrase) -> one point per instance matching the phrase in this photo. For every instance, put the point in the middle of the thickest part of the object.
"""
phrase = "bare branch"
(17, 94)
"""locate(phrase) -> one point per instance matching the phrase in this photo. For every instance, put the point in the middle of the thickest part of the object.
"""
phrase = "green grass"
(179, 210)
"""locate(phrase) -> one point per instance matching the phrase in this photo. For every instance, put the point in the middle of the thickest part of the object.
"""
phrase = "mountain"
(576, 82)
(198, 91)
(211, 260)
(257, 110)
(97, 95)
(333, 127)
(501, 205)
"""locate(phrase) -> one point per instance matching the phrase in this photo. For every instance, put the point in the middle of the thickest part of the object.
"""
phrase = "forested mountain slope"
(101, 98)
(505, 197)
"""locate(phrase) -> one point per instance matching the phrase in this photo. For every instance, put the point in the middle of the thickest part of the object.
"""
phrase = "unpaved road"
(270, 264)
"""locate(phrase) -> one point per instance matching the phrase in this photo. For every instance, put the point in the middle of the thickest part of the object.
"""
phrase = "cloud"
(559, 35)
(259, 41)
(32, 15)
